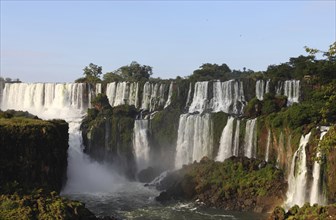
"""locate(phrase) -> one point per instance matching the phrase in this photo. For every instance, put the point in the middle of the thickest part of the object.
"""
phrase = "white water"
(120, 93)
(279, 88)
(153, 96)
(228, 97)
(316, 196)
(189, 95)
(268, 145)
(200, 98)
(267, 89)
(170, 94)
(297, 179)
(140, 143)
(292, 90)
(65, 101)
(236, 139)
(250, 139)
(194, 139)
(260, 89)
(226, 142)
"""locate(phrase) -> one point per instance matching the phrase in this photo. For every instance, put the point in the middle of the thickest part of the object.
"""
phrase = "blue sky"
(52, 41)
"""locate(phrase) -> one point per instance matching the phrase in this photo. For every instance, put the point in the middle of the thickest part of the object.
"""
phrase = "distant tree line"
(9, 80)
(318, 70)
(131, 72)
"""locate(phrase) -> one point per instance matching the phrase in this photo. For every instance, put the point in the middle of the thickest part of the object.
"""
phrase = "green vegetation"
(39, 204)
(33, 151)
(235, 184)
(315, 70)
(91, 74)
(306, 212)
(107, 133)
(210, 71)
(132, 72)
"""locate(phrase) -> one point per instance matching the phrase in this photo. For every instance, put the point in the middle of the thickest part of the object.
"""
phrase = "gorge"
(173, 123)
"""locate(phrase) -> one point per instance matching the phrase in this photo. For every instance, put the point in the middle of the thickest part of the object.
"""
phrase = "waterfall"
(292, 90)
(194, 139)
(2, 85)
(189, 95)
(250, 139)
(267, 89)
(228, 97)
(133, 94)
(297, 179)
(45, 99)
(121, 93)
(68, 102)
(153, 96)
(140, 143)
(170, 94)
(316, 196)
(111, 92)
(268, 145)
(236, 139)
(200, 98)
(226, 141)
(260, 89)
(279, 88)
(98, 88)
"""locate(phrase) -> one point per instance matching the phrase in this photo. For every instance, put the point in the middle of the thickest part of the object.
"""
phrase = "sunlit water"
(132, 200)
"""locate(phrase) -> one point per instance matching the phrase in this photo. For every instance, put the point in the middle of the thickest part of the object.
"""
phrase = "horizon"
(53, 41)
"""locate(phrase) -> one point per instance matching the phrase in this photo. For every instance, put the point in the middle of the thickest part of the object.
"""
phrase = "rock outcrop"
(33, 151)
(235, 184)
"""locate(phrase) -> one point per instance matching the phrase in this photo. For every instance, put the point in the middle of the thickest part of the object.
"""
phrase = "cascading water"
(260, 89)
(292, 90)
(189, 95)
(226, 141)
(250, 139)
(228, 97)
(267, 89)
(65, 101)
(200, 98)
(140, 143)
(297, 179)
(268, 145)
(120, 93)
(194, 139)
(236, 139)
(279, 88)
(95, 184)
(316, 196)
(153, 96)
(170, 94)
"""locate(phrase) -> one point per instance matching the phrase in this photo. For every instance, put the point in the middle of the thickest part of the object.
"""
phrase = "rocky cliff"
(33, 152)
(235, 184)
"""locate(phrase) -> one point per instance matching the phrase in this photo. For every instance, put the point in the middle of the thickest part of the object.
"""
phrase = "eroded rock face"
(236, 184)
(33, 152)
(107, 135)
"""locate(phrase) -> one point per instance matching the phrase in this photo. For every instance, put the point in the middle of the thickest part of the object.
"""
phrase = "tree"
(210, 71)
(330, 54)
(111, 77)
(135, 71)
(92, 73)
